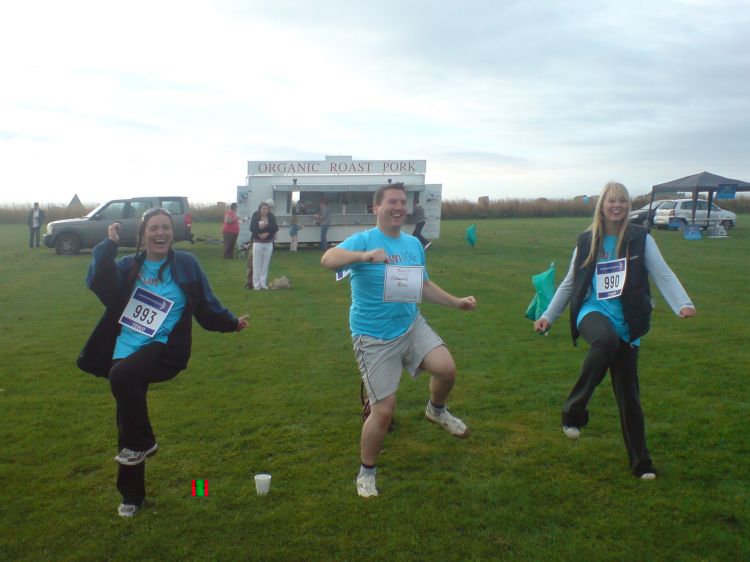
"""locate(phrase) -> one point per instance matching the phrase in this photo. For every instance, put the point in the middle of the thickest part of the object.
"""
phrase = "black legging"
(129, 379)
(608, 351)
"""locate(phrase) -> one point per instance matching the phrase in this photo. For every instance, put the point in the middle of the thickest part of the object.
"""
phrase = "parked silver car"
(679, 213)
(71, 235)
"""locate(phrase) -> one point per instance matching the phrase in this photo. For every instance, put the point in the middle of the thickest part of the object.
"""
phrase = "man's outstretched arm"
(431, 292)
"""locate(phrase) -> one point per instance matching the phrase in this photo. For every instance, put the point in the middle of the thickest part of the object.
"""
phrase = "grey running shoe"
(128, 457)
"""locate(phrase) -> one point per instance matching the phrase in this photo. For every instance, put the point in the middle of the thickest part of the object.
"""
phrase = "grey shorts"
(381, 362)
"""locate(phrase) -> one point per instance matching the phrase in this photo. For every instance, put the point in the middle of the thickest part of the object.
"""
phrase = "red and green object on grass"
(200, 488)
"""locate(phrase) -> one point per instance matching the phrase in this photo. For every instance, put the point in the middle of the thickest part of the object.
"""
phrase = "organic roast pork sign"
(344, 166)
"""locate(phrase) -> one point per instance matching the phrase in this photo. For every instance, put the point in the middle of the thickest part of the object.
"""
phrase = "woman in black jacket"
(263, 227)
(145, 333)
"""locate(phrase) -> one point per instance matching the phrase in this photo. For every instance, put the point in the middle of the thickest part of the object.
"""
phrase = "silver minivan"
(679, 213)
(69, 236)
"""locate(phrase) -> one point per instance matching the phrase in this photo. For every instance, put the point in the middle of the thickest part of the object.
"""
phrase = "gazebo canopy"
(705, 181)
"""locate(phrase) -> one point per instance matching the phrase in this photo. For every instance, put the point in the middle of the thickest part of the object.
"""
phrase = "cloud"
(501, 98)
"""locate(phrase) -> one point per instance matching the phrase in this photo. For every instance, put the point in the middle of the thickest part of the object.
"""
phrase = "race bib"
(610, 278)
(403, 283)
(145, 312)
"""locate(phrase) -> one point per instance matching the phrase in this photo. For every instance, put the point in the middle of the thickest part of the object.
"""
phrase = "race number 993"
(144, 314)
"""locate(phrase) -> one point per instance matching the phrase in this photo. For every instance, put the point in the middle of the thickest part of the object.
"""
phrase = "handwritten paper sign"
(403, 283)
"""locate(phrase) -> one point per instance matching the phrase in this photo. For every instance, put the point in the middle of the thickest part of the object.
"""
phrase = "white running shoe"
(128, 457)
(571, 432)
(127, 510)
(648, 476)
(366, 485)
(450, 423)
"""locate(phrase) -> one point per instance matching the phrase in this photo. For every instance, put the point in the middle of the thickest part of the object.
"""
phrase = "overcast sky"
(506, 98)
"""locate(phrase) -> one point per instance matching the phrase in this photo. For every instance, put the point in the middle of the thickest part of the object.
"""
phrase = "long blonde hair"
(617, 190)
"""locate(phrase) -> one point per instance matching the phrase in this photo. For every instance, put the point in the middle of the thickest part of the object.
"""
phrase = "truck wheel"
(727, 225)
(67, 244)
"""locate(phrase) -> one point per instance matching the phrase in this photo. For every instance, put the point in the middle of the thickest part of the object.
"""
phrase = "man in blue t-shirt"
(388, 279)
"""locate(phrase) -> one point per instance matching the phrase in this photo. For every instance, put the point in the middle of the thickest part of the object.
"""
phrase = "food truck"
(346, 186)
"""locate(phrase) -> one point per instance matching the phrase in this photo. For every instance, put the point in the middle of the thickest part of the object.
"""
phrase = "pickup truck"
(69, 236)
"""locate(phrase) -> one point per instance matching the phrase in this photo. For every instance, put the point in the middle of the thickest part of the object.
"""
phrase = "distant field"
(283, 397)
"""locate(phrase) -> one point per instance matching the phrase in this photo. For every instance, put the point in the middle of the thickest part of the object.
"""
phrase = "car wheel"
(67, 244)
(727, 225)
(681, 224)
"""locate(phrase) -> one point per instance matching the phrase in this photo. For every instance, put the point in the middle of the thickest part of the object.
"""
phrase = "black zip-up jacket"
(111, 282)
(636, 294)
(271, 228)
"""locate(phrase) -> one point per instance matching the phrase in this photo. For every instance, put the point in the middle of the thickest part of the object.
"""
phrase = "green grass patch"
(283, 397)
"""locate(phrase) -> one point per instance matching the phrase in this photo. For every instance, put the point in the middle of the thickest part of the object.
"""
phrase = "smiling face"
(615, 209)
(157, 236)
(391, 211)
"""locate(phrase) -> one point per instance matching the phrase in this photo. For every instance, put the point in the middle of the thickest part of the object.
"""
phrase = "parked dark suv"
(71, 235)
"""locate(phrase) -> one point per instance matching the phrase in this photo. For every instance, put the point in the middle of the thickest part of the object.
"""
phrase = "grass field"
(283, 397)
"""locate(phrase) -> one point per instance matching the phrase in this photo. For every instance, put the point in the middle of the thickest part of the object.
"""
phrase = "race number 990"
(611, 282)
(144, 314)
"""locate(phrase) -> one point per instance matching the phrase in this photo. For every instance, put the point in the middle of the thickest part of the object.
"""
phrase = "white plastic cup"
(262, 484)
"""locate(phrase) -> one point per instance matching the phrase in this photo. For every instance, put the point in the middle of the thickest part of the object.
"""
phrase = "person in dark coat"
(144, 336)
(35, 221)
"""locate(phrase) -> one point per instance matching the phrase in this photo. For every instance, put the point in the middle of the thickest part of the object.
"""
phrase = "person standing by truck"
(264, 228)
(35, 221)
(417, 218)
(294, 228)
(230, 230)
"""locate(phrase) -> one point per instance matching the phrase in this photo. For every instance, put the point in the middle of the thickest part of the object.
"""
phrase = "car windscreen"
(96, 210)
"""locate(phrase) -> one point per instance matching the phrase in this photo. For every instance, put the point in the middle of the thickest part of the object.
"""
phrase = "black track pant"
(608, 351)
(129, 379)
(418, 233)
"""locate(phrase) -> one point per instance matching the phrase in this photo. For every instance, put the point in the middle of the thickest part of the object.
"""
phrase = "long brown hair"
(618, 190)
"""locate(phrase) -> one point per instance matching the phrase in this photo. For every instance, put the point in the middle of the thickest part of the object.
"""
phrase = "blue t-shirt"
(611, 308)
(130, 341)
(369, 314)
